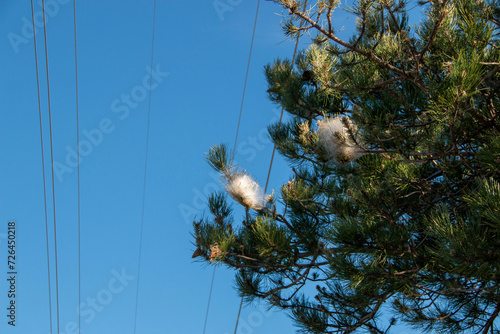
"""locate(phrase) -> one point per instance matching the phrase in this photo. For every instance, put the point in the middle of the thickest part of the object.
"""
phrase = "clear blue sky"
(200, 60)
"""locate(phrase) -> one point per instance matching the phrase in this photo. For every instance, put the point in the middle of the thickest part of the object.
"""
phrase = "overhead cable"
(145, 173)
(272, 156)
(246, 79)
(51, 161)
(43, 167)
(78, 169)
(236, 139)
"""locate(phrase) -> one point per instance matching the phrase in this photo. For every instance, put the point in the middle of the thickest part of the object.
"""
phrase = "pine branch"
(353, 48)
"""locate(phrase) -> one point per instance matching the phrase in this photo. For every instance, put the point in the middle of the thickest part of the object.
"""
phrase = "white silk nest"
(245, 190)
(335, 139)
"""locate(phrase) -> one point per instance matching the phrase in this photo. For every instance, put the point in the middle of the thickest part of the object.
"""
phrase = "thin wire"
(78, 168)
(51, 160)
(272, 158)
(238, 318)
(241, 301)
(238, 127)
(236, 142)
(282, 108)
(209, 298)
(246, 78)
(43, 166)
(145, 170)
(236, 139)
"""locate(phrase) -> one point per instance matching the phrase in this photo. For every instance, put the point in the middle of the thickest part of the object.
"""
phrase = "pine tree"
(393, 205)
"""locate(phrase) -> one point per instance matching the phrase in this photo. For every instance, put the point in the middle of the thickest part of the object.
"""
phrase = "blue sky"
(199, 66)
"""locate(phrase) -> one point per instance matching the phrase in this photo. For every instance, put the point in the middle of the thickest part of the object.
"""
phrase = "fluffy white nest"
(244, 190)
(335, 139)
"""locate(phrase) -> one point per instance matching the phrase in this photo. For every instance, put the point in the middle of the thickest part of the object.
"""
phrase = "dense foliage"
(393, 206)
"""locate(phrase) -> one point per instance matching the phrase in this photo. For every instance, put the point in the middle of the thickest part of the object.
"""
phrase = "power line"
(43, 165)
(272, 156)
(145, 170)
(235, 143)
(209, 298)
(238, 317)
(78, 167)
(246, 78)
(238, 128)
(51, 160)
(283, 108)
